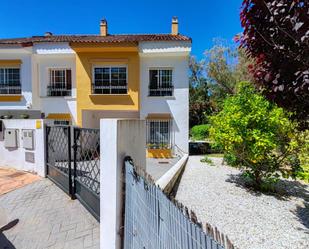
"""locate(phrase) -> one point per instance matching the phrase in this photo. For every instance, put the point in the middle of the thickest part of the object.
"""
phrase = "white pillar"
(118, 138)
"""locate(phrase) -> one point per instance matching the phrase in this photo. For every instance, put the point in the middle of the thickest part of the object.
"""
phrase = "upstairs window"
(10, 81)
(110, 80)
(161, 82)
(60, 82)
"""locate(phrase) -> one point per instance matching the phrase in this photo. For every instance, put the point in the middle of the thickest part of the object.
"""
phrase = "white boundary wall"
(15, 157)
(118, 139)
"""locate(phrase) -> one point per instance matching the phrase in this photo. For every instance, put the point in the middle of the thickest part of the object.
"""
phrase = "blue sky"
(203, 20)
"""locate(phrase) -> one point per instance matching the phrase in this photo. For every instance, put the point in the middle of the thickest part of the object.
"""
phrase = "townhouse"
(79, 79)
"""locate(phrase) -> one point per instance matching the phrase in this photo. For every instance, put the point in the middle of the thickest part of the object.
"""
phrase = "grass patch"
(207, 160)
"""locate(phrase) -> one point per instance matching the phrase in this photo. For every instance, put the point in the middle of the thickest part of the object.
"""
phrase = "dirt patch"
(11, 179)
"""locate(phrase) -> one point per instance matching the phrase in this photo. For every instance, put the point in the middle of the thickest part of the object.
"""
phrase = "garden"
(249, 107)
(249, 100)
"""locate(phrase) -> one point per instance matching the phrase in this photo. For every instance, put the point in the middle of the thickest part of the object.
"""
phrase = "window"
(160, 82)
(62, 122)
(159, 134)
(109, 80)
(10, 81)
(60, 82)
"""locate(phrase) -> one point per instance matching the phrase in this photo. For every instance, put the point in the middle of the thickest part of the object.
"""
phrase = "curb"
(168, 180)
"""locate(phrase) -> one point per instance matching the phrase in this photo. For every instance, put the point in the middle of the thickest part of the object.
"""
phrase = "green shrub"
(301, 141)
(200, 132)
(256, 136)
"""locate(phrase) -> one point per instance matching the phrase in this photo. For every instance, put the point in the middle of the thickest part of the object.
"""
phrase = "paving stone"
(48, 219)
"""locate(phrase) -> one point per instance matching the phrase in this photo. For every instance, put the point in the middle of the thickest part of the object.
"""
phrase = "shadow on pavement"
(4, 242)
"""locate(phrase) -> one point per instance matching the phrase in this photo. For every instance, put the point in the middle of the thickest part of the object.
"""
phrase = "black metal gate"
(58, 157)
(77, 175)
(87, 169)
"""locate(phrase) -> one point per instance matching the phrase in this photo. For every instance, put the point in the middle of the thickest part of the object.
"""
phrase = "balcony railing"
(161, 91)
(54, 91)
(10, 88)
(99, 89)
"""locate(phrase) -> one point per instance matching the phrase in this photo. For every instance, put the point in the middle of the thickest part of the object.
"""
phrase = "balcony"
(58, 91)
(10, 89)
(108, 89)
(161, 91)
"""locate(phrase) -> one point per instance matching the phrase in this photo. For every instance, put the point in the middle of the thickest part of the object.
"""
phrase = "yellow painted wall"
(159, 153)
(10, 98)
(86, 57)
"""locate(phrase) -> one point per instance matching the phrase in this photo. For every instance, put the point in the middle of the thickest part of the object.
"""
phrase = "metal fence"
(154, 221)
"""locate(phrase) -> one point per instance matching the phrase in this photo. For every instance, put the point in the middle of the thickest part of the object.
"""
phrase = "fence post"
(118, 138)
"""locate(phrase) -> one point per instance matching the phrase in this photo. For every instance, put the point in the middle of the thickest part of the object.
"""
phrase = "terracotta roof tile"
(95, 38)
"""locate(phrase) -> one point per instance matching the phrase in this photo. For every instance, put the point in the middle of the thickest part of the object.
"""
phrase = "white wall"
(118, 138)
(52, 56)
(23, 54)
(15, 157)
(177, 105)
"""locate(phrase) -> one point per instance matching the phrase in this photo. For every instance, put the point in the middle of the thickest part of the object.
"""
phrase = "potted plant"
(24, 116)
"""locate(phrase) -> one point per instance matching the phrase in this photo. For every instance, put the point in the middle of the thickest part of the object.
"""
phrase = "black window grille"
(10, 81)
(110, 80)
(161, 82)
(159, 134)
(60, 83)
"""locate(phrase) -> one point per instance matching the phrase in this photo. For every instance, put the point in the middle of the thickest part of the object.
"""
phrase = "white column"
(118, 138)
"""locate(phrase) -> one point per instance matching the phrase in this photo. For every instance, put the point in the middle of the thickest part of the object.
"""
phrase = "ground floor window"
(62, 122)
(159, 134)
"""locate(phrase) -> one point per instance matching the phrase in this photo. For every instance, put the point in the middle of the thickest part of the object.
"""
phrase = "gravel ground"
(251, 220)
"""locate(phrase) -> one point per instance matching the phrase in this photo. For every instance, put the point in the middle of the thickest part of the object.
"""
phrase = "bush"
(256, 136)
(200, 132)
(301, 141)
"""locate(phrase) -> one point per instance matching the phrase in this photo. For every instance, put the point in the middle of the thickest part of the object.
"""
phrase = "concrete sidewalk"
(157, 167)
(48, 218)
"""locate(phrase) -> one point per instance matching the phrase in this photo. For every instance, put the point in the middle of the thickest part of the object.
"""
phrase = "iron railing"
(54, 91)
(10, 88)
(161, 91)
(109, 89)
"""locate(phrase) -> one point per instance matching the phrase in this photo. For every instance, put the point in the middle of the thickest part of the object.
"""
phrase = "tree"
(225, 66)
(276, 36)
(256, 136)
(199, 105)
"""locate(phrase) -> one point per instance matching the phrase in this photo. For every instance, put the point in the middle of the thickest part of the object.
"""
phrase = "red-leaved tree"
(276, 35)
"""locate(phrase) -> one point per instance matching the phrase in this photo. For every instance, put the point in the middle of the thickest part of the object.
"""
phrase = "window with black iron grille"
(161, 82)
(110, 80)
(60, 82)
(159, 134)
(61, 122)
(10, 81)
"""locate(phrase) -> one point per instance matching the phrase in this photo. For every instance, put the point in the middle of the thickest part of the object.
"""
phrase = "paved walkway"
(48, 218)
(158, 167)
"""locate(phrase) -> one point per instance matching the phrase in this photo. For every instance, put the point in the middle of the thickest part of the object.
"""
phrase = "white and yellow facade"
(85, 61)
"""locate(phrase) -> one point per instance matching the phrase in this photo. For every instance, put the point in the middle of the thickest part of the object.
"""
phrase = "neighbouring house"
(79, 79)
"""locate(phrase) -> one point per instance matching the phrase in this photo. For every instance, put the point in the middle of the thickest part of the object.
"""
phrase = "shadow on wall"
(4, 242)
